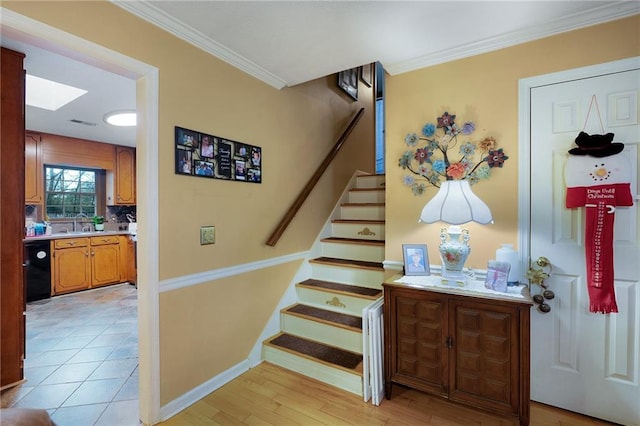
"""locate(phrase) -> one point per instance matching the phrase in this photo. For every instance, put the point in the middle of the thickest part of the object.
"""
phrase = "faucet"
(75, 221)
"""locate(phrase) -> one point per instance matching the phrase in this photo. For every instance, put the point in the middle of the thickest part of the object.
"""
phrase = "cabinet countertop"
(472, 288)
(61, 235)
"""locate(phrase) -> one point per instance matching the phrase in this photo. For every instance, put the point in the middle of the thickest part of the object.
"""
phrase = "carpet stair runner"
(321, 334)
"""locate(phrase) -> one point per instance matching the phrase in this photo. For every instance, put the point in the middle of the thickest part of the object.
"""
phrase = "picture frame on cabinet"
(348, 81)
(416, 259)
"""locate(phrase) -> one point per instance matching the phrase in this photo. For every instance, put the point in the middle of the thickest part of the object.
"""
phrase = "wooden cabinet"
(128, 270)
(105, 260)
(71, 268)
(84, 263)
(132, 269)
(33, 169)
(470, 348)
(121, 185)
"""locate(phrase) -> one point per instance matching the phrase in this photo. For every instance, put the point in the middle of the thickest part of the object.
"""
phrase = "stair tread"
(325, 315)
(375, 221)
(346, 288)
(362, 205)
(353, 241)
(322, 352)
(366, 189)
(348, 263)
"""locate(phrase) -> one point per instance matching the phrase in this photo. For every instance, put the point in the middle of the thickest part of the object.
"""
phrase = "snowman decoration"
(598, 178)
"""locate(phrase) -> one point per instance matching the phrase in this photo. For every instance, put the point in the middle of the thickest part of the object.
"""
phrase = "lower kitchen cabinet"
(71, 268)
(128, 259)
(84, 263)
(132, 270)
(469, 348)
(105, 260)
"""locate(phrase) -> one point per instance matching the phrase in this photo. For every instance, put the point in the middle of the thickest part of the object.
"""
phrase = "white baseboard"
(196, 394)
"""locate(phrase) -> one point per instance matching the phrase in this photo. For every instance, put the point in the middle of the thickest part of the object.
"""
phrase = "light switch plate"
(207, 235)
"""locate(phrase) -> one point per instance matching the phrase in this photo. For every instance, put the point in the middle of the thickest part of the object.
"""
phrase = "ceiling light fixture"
(121, 118)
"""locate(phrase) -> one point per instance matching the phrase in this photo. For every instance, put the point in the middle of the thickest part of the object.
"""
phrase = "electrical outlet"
(207, 235)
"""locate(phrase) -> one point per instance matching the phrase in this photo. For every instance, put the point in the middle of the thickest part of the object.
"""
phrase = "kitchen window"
(72, 191)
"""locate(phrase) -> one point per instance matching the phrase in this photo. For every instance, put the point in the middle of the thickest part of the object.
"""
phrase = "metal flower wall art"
(444, 151)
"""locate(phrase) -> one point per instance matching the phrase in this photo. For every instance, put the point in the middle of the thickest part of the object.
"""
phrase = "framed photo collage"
(202, 155)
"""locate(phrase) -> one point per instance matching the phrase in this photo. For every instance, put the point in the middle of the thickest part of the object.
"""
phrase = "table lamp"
(455, 204)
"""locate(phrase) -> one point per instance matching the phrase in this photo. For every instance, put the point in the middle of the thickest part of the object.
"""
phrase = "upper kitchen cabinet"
(121, 185)
(33, 184)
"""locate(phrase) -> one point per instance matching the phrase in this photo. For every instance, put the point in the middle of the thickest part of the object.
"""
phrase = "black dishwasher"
(38, 270)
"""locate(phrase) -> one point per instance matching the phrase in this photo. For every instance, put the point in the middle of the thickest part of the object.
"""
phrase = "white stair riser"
(333, 376)
(362, 212)
(366, 196)
(337, 302)
(371, 181)
(364, 252)
(323, 333)
(354, 276)
(366, 231)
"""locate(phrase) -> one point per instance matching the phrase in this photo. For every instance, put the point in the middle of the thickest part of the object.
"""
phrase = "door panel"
(12, 302)
(583, 361)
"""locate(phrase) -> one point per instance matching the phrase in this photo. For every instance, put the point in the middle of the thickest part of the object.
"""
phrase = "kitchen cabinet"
(105, 260)
(469, 348)
(71, 269)
(84, 263)
(121, 184)
(132, 270)
(33, 169)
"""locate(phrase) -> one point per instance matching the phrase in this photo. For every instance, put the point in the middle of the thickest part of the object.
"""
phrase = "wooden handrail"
(293, 210)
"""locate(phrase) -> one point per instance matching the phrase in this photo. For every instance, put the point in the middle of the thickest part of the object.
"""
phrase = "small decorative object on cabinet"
(471, 347)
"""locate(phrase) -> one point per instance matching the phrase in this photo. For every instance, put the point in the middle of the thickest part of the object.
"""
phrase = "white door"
(582, 361)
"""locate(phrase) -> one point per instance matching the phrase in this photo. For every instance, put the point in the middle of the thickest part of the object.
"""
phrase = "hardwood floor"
(270, 395)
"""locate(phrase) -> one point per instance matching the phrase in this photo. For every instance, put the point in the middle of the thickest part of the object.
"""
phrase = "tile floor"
(82, 358)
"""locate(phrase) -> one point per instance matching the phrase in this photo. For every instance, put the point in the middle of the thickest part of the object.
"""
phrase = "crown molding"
(155, 16)
(610, 12)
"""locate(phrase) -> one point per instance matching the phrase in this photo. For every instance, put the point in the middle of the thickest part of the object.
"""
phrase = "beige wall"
(483, 89)
(206, 329)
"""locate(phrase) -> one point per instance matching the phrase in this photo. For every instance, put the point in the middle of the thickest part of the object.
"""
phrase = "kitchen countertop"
(61, 235)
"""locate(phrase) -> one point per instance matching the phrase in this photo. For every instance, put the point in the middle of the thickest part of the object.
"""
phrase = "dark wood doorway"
(12, 302)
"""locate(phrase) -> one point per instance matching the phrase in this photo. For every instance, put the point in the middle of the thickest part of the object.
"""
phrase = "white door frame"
(524, 139)
(44, 36)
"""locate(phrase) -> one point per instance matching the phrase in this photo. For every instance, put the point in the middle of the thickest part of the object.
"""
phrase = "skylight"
(48, 94)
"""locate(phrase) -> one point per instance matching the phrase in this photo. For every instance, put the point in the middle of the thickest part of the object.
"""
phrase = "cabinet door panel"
(105, 264)
(33, 169)
(485, 354)
(72, 270)
(125, 176)
(420, 333)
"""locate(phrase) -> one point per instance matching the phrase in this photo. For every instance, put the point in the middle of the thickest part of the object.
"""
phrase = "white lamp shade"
(456, 204)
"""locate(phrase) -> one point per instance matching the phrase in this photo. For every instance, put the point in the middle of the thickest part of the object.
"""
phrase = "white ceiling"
(285, 43)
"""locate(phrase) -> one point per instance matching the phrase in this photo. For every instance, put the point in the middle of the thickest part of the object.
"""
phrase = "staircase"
(322, 333)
